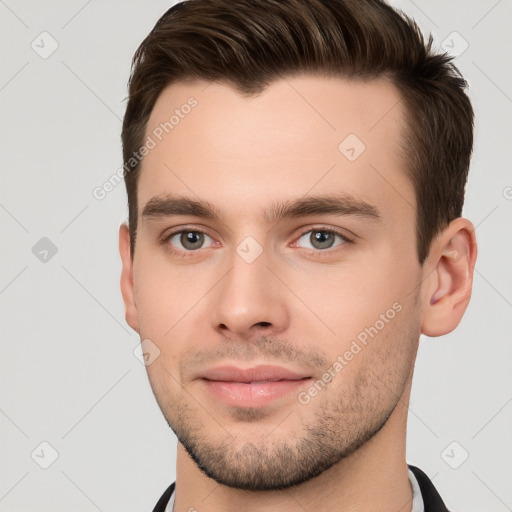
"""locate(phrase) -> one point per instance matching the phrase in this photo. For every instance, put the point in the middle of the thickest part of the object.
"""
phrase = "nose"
(250, 301)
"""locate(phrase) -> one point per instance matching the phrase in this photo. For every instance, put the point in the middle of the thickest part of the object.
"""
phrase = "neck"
(374, 477)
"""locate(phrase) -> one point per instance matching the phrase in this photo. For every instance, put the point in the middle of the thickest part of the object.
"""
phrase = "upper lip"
(258, 373)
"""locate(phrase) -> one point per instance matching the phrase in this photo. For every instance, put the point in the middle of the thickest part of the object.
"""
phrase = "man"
(295, 173)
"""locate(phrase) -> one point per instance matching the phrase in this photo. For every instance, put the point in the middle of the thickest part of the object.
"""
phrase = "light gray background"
(69, 376)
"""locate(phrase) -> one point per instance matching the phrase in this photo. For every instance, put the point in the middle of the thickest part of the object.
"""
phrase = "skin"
(296, 305)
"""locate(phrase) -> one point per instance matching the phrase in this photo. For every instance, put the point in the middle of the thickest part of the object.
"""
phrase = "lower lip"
(253, 395)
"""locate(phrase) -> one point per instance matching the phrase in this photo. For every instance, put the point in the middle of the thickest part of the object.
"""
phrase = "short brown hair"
(250, 43)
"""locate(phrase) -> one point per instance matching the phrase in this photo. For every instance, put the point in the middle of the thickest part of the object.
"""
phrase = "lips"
(252, 387)
(256, 374)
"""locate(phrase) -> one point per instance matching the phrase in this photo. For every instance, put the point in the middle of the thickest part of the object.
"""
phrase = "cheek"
(170, 305)
(348, 300)
(164, 294)
(374, 363)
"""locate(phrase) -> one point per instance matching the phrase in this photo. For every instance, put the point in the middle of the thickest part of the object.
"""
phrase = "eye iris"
(192, 239)
(321, 239)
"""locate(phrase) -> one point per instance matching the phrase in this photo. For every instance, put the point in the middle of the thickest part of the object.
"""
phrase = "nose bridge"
(249, 297)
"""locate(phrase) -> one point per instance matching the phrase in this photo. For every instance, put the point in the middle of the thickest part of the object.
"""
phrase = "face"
(275, 273)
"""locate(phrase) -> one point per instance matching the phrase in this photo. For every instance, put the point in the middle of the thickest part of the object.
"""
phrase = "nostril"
(263, 324)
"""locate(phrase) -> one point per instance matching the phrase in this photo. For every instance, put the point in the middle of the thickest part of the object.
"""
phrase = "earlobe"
(127, 288)
(452, 261)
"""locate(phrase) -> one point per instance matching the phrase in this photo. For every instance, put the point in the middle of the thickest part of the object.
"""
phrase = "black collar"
(166, 496)
(431, 499)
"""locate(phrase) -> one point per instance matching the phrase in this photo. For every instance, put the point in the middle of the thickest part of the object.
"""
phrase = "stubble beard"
(280, 460)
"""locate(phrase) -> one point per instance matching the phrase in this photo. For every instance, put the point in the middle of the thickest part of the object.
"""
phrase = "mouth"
(252, 387)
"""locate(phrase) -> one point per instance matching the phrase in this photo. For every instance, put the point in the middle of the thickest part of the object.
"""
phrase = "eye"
(188, 239)
(321, 239)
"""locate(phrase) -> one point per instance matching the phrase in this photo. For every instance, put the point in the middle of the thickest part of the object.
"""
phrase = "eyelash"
(187, 254)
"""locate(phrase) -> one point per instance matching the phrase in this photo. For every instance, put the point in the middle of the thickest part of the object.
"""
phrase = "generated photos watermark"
(152, 140)
(356, 346)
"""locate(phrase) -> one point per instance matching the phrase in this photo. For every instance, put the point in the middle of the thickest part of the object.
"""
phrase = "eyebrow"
(333, 204)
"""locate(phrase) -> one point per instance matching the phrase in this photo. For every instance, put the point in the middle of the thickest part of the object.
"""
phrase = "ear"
(127, 290)
(450, 265)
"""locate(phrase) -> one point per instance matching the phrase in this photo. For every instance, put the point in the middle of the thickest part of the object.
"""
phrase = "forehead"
(300, 135)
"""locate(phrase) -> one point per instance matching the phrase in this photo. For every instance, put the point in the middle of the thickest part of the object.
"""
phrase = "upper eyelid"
(168, 234)
(337, 231)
